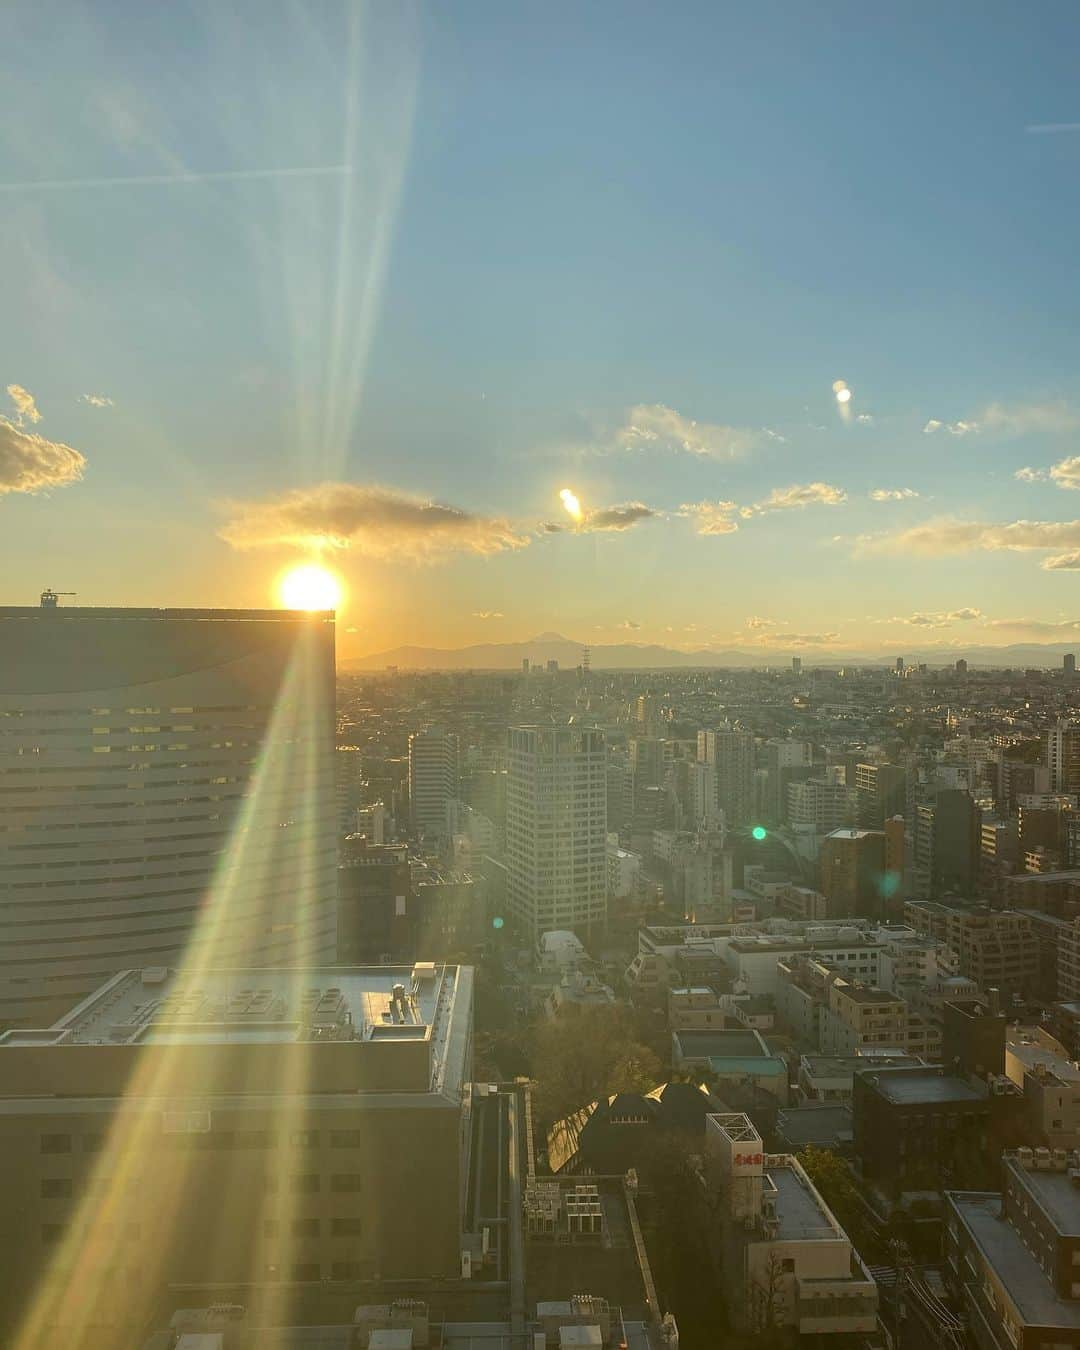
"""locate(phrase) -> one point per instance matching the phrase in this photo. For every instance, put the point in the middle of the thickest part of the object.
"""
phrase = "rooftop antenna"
(49, 597)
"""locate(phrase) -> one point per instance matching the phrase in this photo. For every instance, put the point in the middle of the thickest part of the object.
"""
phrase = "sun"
(310, 586)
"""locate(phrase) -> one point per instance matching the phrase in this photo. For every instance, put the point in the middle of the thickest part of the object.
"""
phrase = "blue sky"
(470, 254)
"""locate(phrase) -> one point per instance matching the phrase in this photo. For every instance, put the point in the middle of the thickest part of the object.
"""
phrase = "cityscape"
(539, 712)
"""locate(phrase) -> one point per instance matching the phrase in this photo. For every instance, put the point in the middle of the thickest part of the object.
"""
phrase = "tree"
(830, 1175)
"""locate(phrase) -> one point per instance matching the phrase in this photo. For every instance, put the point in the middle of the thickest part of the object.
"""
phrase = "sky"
(784, 295)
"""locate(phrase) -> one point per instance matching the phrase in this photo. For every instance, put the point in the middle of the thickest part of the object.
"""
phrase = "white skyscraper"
(556, 824)
(166, 795)
(433, 778)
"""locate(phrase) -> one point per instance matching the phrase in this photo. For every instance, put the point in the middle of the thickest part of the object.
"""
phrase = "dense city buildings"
(168, 788)
(433, 778)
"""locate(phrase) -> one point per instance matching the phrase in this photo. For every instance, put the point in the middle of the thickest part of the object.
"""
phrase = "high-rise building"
(899, 665)
(785, 762)
(852, 872)
(882, 793)
(556, 829)
(376, 913)
(1063, 757)
(796, 665)
(168, 791)
(826, 803)
(254, 1128)
(961, 666)
(730, 750)
(1069, 663)
(433, 778)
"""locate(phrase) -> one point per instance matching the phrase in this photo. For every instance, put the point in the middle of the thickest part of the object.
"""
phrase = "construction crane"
(49, 597)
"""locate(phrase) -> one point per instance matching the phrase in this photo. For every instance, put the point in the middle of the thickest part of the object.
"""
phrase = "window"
(56, 1143)
(304, 1138)
(346, 1181)
(93, 1143)
(305, 1227)
(306, 1272)
(346, 1138)
(305, 1183)
(51, 1233)
(56, 1188)
(347, 1226)
(345, 1270)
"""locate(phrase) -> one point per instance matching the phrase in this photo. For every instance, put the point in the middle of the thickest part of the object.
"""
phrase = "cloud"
(965, 615)
(655, 426)
(1016, 419)
(629, 624)
(99, 401)
(799, 495)
(865, 418)
(30, 463)
(1039, 627)
(487, 614)
(946, 535)
(953, 428)
(377, 521)
(798, 639)
(756, 622)
(1062, 562)
(1066, 473)
(711, 517)
(940, 618)
(26, 409)
(1029, 475)
(622, 517)
(892, 494)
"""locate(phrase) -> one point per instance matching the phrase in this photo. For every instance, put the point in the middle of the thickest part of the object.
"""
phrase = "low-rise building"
(695, 1007)
(741, 1059)
(788, 1262)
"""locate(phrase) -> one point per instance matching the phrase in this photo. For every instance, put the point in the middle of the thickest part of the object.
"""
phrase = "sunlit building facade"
(166, 784)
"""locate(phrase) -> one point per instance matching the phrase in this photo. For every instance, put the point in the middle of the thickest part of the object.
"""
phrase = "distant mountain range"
(647, 656)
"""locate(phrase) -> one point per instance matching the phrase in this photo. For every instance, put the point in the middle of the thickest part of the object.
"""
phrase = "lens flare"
(571, 503)
(310, 587)
(842, 392)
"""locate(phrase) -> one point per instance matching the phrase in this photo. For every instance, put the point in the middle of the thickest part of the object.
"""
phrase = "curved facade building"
(166, 795)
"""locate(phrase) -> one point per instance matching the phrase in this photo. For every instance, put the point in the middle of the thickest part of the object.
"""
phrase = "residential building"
(376, 921)
(998, 949)
(1063, 756)
(787, 1261)
(825, 803)
(946, 844)
(556, 829)
(737, 1061)
(829, 1078)
(1012, 1255)
(785, 762)
(730, 751)
(695, 1008)
(881, 792)
(169, 789)
(295, 1103)
(433, 779)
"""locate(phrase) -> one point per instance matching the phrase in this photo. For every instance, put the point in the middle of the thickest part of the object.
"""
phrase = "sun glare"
(310, 587)
(571, 503)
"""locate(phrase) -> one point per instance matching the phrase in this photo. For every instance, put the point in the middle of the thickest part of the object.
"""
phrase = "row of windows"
(300, 1183)
(93, 1143)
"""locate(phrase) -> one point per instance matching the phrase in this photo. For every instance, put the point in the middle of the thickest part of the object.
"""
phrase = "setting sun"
(310, 587)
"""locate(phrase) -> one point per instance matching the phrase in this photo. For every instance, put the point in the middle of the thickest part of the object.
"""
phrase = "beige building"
(998, 949)
(245, 1128)
(788, 1262)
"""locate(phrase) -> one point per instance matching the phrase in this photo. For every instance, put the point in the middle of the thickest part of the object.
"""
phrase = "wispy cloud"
(1012, 419)
(487, 614)
(1038, 627)
(755, 621)
(940, 618)
(30, 463)
(1062, 562)
(96, 400)
(654, 426)
(711, 517)
(1029, 475)
(377, 521)
(799, 495)
(26, 409)
(947, 535)
(629, 624)
(1066, 473)
(623, 517)
(798, 639)
(892, 494)
(162, 179)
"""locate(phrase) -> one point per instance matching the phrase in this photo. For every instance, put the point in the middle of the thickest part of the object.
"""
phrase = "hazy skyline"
(784, 296)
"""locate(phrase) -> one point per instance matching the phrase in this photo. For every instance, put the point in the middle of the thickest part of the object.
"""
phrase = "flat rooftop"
(865, 993)
(721, 1044)
(1024, 1279)
(1054, 1191)
(797, 1208)
(823, 1125)
(1031, 1053)
(845, 1066)
(908, 1087)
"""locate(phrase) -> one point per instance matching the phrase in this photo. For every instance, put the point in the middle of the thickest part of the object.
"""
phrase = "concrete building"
(947, 844)
(825, 803)
(787, 1261)
(853, 872)
(1063, 756)
(375, 902)
(730, 752)
(556, 829)
(433, 779)
(738, 1061)
(998, 949)
(235, 1128)
(1012, 1256)
(169, 784)
(881, 793)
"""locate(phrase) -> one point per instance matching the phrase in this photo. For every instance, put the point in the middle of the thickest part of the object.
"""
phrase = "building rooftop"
(844, 1066)
(1024, 1279)
(908, 1087)
(798, 1210)
(722, 1044)
(424, 1010)
(865, 993)
(825, 1126)
(1054, 1190)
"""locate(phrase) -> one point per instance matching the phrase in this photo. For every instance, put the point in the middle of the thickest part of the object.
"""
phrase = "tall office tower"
(852, 872)
(899, 665)
(168, 795)
(962, 666)
(731, 752)
(882, 793)
(1063, 757)
(1069, 663)
(556, 828)
(786, 762)
(647, 713)
(433, 778)
(948, 840)
(796, 665)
